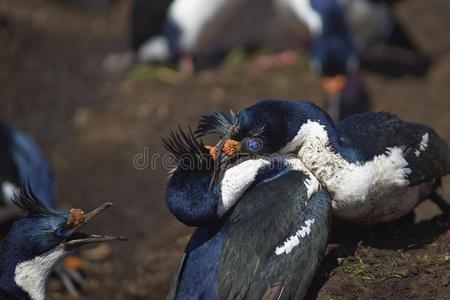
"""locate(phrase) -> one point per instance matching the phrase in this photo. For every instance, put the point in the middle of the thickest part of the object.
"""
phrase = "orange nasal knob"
(213, 151)
(231, 147)
(76, 217)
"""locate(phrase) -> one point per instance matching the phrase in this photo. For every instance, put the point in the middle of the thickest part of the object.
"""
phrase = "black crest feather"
(30, 203)
(185, 146)
(216, 123)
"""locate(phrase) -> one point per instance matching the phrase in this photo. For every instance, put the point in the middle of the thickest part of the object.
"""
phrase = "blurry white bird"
(203, 30)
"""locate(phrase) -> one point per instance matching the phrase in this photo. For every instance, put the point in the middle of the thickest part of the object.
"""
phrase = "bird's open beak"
(75, 239)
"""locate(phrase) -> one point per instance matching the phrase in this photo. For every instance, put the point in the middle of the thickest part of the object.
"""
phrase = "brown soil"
(91, 124)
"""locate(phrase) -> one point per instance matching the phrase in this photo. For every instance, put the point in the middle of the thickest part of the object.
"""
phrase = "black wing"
(264, 218)
(372, 133)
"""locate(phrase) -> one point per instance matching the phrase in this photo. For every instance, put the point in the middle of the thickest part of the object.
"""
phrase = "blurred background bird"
(194, 34)
(171, 31)
(341, 33)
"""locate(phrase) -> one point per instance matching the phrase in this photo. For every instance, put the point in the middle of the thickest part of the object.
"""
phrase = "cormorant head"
(37, 241)
(266, 127)
(43, 228)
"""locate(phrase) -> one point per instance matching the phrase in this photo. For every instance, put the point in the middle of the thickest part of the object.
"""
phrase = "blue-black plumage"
(263, 225)
(376, 166)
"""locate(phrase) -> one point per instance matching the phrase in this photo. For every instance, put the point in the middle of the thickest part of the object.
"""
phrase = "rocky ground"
(96, 124)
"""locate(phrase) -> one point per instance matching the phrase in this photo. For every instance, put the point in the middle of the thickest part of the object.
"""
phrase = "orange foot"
(72, 262)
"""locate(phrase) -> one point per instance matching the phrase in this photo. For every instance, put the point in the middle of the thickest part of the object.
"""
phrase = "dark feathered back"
(372, 133)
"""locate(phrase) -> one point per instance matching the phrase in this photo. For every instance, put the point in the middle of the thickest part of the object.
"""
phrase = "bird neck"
(193, 201)
(318, 146)
(237, 179)
(10, 257)
(322, 157)
(318, 131)
(25, 277)
(190, 197)
(8, 287)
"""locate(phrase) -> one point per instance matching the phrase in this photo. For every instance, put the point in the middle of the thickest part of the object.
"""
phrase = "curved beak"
(220, 155)
(94, 238)
(75, 239)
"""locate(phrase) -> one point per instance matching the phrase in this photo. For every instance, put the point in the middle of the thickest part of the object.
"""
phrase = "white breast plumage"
(357, 189)
(32, 275)
(239, 178)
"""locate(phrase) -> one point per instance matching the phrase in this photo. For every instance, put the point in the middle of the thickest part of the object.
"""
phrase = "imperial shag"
(37, 242)
(262, 225)
(375, 166)
(21, 163)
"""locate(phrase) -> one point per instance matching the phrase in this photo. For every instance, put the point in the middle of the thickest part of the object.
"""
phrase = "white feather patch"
(236, 181)
(311, 183)
(239, 178)
(32, 275)
(424, 142)
(303, 10)
(423, 145)
(155, 49)
(191, 16)
(9, 191)
(358, 189)
(294, 240)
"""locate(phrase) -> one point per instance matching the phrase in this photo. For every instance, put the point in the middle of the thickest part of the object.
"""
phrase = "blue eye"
(61, 232)
(253, 145)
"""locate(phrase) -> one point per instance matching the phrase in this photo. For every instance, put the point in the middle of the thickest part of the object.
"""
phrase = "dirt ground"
(95, 125)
